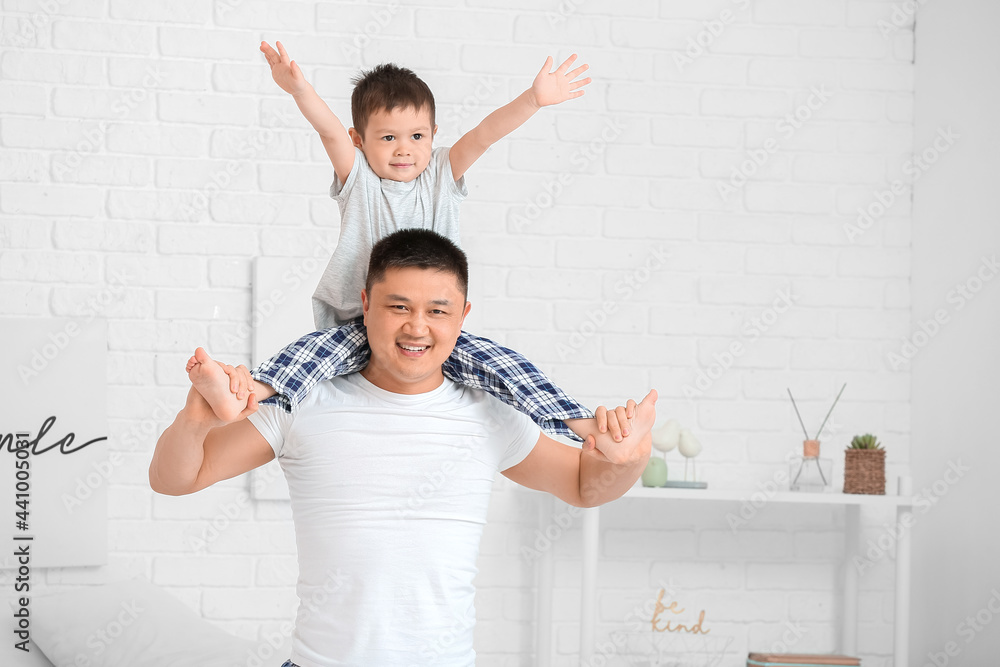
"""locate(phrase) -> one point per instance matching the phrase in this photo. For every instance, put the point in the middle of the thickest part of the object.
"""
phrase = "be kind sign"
(54, 464)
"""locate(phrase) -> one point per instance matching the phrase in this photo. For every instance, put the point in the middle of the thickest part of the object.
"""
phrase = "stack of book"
(799, 660)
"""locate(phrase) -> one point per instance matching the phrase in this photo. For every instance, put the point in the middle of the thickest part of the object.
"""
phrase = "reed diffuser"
(810, 472)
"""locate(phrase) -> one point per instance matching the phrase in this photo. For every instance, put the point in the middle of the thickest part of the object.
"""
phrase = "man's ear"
(365, 304)
(355, 137)
(468, 307)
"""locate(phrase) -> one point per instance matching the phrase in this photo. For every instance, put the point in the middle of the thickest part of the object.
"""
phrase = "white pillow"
(130, 623)
(33, 657)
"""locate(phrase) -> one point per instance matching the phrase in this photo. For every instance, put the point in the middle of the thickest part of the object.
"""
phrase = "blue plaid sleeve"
(498, 370)
(315, 357)
(475, 362)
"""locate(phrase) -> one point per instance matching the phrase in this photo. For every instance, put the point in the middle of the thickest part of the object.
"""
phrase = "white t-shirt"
(389, 494)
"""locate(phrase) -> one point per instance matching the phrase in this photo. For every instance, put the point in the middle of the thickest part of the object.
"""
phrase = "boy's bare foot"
(626, 433)
(209, 377)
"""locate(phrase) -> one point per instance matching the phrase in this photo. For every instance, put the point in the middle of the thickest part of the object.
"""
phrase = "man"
(390, 470)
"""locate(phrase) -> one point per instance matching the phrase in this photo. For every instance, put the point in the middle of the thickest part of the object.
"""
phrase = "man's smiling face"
(413, 316)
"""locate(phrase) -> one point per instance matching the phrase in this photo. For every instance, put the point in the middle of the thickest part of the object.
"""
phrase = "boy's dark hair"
(420, 248)
(385, 87)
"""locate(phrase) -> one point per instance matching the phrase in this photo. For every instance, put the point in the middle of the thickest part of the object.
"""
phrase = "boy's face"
(413, 316)
(397, 143)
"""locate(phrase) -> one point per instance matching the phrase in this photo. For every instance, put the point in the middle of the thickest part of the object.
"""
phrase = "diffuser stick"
(830, 412)
(804, 432)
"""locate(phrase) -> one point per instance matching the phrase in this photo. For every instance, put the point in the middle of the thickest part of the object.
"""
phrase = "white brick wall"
(147, 140)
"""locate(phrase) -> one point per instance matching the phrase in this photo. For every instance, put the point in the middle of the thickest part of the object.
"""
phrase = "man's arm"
(289, 77)
(199, 449)
(588, 477)
(547, 88)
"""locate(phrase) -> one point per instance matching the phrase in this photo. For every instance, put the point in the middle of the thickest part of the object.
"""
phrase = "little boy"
(387, 176)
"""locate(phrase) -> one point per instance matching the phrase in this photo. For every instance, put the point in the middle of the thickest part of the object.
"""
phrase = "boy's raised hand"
(555, 87)
(286, 72)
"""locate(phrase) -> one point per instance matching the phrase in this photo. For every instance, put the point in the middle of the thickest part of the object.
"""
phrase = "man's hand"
(284, 71)
(559, 86)
(629, 426)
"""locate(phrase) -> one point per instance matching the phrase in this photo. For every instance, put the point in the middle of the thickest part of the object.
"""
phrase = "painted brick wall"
(724, 214)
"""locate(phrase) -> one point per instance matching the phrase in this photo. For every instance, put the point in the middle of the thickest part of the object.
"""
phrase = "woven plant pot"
(864, 471)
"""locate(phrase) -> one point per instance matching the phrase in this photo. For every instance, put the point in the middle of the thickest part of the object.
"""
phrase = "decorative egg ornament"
(667, 437)
(655, 473)
(689, 445)
(689, 448)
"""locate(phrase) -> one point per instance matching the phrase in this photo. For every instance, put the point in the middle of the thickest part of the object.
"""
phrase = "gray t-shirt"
(372, 208)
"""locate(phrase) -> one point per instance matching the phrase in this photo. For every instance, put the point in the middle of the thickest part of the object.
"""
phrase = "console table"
(852, 503)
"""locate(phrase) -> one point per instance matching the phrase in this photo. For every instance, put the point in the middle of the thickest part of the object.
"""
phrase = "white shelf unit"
(852, 504)
(776, 497)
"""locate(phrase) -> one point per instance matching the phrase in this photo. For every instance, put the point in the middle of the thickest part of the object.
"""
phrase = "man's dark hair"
(420, 248)
(384, 88)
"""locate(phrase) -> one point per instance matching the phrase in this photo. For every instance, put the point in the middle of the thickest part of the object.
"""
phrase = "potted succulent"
(864, 466)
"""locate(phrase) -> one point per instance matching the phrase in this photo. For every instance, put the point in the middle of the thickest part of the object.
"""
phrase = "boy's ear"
(434, 131)
(355, 137)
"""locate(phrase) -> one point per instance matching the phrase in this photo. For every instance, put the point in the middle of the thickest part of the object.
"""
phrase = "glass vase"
(810, 473)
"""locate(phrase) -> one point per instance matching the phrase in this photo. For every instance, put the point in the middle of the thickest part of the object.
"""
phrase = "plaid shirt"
(475, 362)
